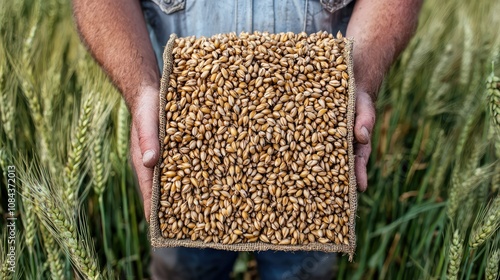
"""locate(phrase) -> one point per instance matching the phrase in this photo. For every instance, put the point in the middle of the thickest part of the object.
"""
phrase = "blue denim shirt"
(209, 17)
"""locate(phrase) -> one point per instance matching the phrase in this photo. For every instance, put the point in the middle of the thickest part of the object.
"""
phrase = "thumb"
(146, 123)
(365, 118)
(143, 174)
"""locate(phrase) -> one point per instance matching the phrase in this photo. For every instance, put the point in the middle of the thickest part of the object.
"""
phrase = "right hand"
(365, 120)
(144, 143)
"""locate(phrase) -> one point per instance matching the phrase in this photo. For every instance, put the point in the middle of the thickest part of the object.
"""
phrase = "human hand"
(144, 145)
(381, 30)
(363, 127)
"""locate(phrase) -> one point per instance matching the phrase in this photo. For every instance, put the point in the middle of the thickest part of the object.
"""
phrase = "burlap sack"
(157, 240)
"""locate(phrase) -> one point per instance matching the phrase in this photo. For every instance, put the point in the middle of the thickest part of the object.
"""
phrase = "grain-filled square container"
(256, 136)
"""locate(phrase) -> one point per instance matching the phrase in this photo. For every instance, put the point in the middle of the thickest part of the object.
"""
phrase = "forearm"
(116, 35)
(381, 30)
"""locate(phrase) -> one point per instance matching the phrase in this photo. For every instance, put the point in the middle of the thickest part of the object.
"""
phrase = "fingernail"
(366, 135)
(148, 157)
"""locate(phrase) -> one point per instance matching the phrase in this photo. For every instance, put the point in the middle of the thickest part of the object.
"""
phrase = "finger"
(146, 122)
(362, 152)
(144, 174)
(365, 118)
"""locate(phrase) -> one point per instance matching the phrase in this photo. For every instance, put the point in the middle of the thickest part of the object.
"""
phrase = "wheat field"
(432, 209)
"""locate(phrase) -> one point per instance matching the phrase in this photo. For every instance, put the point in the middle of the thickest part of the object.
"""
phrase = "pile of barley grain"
(256, 145)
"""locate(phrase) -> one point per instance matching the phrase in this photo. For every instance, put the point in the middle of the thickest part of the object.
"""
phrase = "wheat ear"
(491, 272)
(100, 146)
(493, 93)
(6, 104)
(64, 226)
(122, 131)
(486, 225)
(463, 187)
(79, 143)
(468, 46)
(53, 255)
(28, 221)
(455, 256)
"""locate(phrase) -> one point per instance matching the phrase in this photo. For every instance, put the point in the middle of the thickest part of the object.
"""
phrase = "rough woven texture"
(157, 240)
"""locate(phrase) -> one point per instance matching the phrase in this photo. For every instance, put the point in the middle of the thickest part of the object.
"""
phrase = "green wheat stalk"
(28, 87)
(100, 166)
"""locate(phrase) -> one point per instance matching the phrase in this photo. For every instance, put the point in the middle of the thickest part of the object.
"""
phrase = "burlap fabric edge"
(157, 240)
